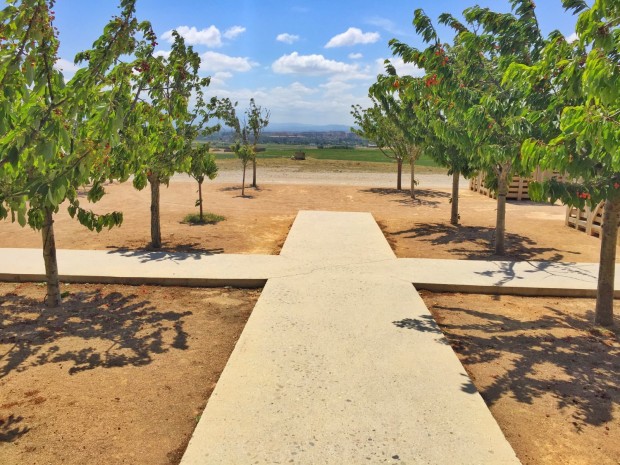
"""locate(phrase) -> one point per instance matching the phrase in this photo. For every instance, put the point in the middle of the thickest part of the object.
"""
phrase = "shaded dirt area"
(118, 375)
(260, 222)
(551, 380)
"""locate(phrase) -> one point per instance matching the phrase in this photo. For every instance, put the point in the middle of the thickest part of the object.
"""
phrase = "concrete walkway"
(341, 364)
(529, 278)
(340, 361)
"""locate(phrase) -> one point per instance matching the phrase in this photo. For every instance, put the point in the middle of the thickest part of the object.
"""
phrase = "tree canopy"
(58, 136)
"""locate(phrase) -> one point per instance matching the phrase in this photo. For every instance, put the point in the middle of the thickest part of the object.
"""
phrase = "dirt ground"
(118, 375)
(102, 383)
(551, 380)
(260, 222)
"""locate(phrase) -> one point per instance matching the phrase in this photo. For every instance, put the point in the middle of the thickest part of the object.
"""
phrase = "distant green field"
(356, 154)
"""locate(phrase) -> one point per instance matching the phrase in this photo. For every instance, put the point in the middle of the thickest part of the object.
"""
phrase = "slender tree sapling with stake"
(258, 120)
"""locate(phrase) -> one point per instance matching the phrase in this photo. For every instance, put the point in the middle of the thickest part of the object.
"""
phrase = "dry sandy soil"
(118, 375)
(259, 222)
(120, 366)
(551, 380)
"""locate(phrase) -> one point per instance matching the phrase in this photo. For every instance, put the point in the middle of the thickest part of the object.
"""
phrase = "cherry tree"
(579, 130)
(227, 112)
(57, 136)
(258, 120)
(467, 87)
(389, 123)
(165, 124)
(202, 166)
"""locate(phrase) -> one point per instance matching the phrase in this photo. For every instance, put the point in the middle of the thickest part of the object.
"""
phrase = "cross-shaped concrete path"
(340, 361)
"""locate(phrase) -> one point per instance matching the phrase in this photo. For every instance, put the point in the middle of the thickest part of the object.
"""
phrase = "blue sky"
(307, 61)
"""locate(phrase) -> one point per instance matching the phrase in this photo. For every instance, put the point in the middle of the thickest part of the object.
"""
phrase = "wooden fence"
(589, 220)
(518, 188)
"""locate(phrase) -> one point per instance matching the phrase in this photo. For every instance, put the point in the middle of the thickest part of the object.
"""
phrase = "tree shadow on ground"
(505, 271)
(10, 428)
(424, 197)
(116, 330)
(423, 324)
(479, 242)
(247, 189)
(585, 368)
(178, 252)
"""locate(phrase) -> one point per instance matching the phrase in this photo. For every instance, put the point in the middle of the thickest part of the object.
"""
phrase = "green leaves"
(47, 149)
(158, 136)
(202, 163)
(424, 26)
(579, 135)
(576, 6)
(601, 78)
(258, 119)
(57, 137)
(96, 222)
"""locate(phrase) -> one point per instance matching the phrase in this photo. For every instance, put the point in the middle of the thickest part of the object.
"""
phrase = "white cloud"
(572, 38)
(211, 36)
(162, 53)
(66, 67)
(402, 68)
(327, 103)
(353, 36)
(220, 79)
(386, 24)
(336, 87)
(234, 31)
(287, 38)
(217, 62)
(355, 56)
(299, 88)
(313, 65)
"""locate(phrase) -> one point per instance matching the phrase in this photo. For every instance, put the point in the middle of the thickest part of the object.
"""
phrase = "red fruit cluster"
(431, 81)
(616, 185)
(396, 85)
(583, 195)
(143, 67)
(152, 38)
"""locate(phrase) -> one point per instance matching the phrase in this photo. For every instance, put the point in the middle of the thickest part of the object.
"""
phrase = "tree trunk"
(155, 224)
(413, 178)
(604, 314)
(52, 299)
(399, 176)
(243, 183)
(454, 214)
(500, 223)
(200, 200)
(254, 173)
